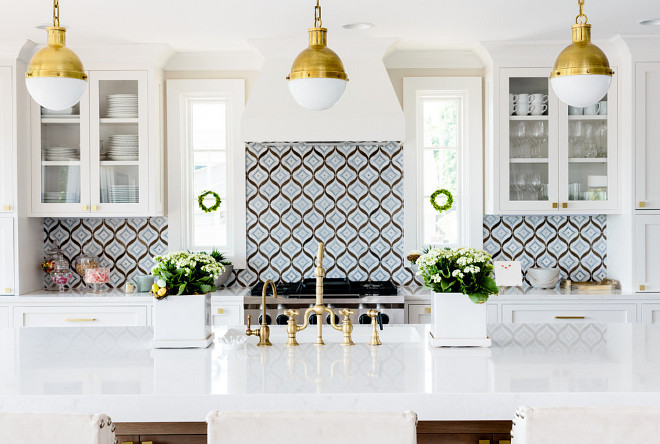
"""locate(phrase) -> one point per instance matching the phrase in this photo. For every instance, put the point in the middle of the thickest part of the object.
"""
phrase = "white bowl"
(547, 284)
(542, 274)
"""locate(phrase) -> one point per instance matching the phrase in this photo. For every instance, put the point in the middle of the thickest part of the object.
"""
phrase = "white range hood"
(368, 111)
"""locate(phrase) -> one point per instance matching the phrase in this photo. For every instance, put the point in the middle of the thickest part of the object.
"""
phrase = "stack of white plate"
(122, 105)
(61, 153)
(123, 147)
(123, 193)
(59, 197)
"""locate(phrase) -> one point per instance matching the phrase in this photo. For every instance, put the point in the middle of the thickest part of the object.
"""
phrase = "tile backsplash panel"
(348, 195)
(575, 244)
(126, 246)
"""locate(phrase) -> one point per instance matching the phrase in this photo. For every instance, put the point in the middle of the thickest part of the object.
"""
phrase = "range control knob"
(268, 319)
(312, 319)
(364, 319)
(385, 318)
(281, 319)
(327, 319)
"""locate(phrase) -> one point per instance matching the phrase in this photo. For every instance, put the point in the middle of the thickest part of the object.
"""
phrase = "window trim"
(179, 93)
(470, 88)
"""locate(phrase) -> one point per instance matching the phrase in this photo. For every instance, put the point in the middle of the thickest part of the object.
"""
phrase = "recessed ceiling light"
(359, 25)
(650, 22)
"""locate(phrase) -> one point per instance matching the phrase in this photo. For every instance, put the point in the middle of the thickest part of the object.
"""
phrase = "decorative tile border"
(126, 246)
(348, 195)
(577, 245)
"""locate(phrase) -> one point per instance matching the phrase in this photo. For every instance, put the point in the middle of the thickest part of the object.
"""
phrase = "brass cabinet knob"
(427, 310)
(95, 208)
(221, 311)
(642, 204)
(642, 287)
(6, 208)
(564, 205)
(7, 290)
(85, 208)
(555, 205)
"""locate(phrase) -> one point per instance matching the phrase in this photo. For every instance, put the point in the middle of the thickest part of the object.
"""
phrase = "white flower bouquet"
(185, 273)
(464, 270)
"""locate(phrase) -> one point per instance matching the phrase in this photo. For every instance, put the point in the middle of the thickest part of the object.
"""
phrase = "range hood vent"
(368, 111)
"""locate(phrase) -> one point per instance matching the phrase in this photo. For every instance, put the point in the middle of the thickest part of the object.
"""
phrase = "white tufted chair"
(38, 428)
(284, 427)
(586, 425)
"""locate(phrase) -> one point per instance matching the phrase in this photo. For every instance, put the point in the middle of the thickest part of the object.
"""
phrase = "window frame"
(180, 93)
(470, 158)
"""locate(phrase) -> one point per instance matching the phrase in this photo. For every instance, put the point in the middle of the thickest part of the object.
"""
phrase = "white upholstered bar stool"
(41, 428)
(285, 427)
(586, 425)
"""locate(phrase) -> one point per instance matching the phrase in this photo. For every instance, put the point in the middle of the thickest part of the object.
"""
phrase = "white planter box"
(457, 321)
(182, 322)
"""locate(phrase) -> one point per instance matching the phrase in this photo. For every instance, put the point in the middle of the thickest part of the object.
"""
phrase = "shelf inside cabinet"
(587, 160)
(110, 163)
(588, 117)
(542, 117)
(528, 160)
(60, 162)
(119, 120)
(65, 120)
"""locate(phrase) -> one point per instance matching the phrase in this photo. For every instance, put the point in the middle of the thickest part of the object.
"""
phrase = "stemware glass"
(601, 138)
(535, 185)
(575, 139)
(517, 139)
(519, 185)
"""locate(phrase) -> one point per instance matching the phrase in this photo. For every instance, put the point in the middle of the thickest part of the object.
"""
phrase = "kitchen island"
(113, 370)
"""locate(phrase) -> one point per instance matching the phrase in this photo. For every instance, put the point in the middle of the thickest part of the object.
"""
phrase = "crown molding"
(215, 61)
(438, 59)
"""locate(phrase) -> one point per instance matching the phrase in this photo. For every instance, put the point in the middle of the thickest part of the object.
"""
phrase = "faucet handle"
(292, 313)
(375, 321)
(346, 312)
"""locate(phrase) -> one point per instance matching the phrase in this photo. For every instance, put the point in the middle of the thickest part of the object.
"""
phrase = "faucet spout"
(263, 333)
(263, 298)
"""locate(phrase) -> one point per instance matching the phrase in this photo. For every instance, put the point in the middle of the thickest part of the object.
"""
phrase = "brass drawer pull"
(484, 441)
(7, 290)
(221, 311)
(642, 287)
(642, 204)
(569, 317)
(80, 320)
(505, 441)
(147, 442)
(127, 442)
(6, 208)
(427, 310)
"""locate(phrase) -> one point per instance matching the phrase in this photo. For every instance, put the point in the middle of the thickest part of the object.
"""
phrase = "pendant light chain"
(317, 15)
(56, 13)
(581, 19)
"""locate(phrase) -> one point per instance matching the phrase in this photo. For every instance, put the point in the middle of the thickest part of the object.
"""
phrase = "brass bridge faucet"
(264, 331)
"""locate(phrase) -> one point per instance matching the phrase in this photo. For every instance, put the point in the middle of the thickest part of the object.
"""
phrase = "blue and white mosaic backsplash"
(577, 245)
(126, 246)
(348, 195)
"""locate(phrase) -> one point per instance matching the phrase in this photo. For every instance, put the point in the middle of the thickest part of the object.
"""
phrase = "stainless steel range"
(359, 296)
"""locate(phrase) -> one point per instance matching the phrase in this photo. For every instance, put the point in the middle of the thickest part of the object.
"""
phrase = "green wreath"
(215, 206)
(448, 203)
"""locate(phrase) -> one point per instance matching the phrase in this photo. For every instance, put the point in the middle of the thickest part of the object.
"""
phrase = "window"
(443, 150)
(205, 153)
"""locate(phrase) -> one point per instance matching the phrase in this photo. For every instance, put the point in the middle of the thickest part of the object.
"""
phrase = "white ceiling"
(221, 25)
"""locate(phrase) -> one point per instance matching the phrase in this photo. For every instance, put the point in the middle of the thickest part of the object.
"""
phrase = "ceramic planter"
(182, 322)
(457, 321)
(224, 277)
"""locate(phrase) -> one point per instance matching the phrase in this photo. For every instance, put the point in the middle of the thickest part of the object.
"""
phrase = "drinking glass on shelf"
(535, 185)
(601, 140)
(538, 137)
(518, 185)
(517, 139)
(575, 138)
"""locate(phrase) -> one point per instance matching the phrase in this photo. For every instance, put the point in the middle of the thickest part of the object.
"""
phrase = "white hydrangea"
(190, 261)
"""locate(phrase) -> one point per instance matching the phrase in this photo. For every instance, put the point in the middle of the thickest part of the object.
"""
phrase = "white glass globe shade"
(581, 90)
(316, 93)
(56, 93)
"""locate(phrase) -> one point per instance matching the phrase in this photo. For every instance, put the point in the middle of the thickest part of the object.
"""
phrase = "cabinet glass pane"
(528, 139)
(119, 183)
(119, 141)
(60, 156)
(587, 152)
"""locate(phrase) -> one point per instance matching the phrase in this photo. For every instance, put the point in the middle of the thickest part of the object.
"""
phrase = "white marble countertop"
(509, 294)
(113, 370)
(235, 294)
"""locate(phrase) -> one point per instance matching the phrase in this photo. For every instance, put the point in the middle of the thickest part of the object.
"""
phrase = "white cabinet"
(647, 135)
(545, 159)
(4, 317)
(227, 313)
(97, 160)
(651, 314)
(419, 314)
(568, 312)
(647, 259)
(51, 316)
(7, 161)
(7, 259)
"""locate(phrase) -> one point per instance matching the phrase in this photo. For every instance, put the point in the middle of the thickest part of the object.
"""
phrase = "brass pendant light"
(317, 79)
(582, 73)
(55, 77)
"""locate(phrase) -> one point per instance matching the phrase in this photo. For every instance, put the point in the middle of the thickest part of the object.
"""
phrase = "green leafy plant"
(219, 257)
(463, 270)
(185, 273)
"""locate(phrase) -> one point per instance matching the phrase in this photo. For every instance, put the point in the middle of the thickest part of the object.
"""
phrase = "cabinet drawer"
(79, 316)
(563, 313)
(227, 314)
(651, 313)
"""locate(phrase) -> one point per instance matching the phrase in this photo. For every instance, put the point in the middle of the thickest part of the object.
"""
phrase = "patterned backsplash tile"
(575, 244)
(126, 246)
(349, 195)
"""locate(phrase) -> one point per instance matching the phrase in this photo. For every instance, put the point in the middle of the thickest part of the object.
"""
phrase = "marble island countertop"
(113, 370)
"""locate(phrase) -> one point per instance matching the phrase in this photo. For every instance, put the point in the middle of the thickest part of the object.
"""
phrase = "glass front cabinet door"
(554, 158)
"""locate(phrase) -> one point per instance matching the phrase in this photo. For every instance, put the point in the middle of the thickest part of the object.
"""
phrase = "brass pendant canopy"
(581, 57)
(317, 60)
